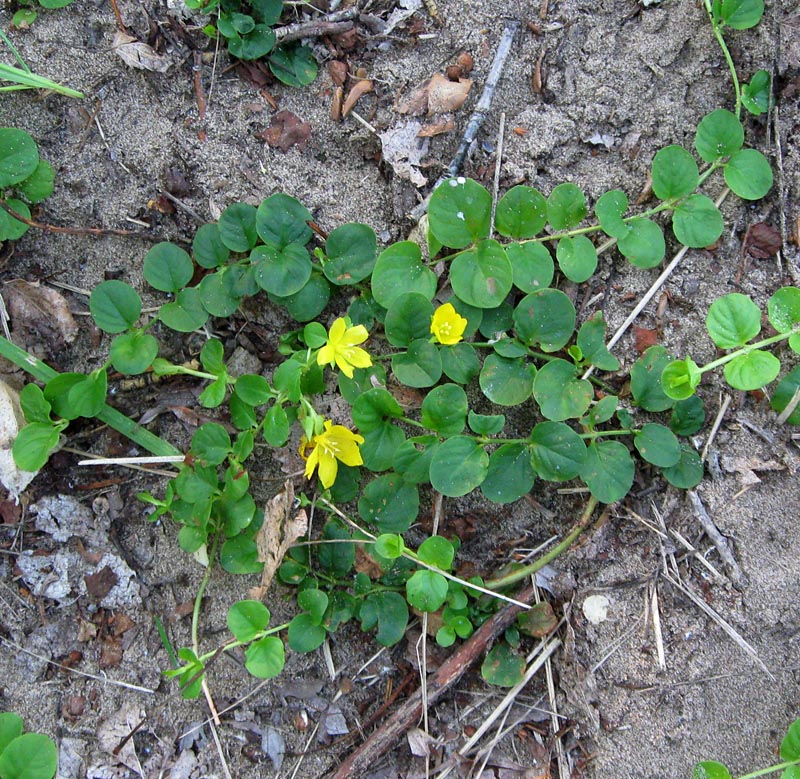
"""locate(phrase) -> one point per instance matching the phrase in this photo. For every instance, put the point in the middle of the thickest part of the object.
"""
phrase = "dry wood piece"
(360, 89)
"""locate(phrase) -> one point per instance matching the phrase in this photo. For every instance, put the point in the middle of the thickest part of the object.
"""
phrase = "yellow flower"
(342, 350)
(448, 325)
(334, 443)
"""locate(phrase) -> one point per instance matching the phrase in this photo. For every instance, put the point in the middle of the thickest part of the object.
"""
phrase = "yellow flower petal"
(342, 350)
(447, 325)
(335, 443)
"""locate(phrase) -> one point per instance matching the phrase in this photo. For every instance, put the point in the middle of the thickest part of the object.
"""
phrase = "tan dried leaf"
(358, 91)
(445, 95)
(278, 532)
(136, 54)
(41, 311)
(286, 130)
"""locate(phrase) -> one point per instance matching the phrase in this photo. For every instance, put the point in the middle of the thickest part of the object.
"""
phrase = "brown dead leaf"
(644, 338)
(746, 467)
(538, 621)
(286, 130)
(99, 584)
(360, 88)
(365, 564)
(277, 533)
(110, 652)
(139, 55)
(338, 72)
(436, 128)
(437, 95)
(762, 241)
(41, 311)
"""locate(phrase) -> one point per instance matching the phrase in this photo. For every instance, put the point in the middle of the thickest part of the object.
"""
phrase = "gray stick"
(480, 113)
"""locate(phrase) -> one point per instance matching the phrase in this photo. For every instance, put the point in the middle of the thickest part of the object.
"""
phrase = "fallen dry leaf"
(99, 584)
(436, 128)
(420, 742)
(437, 95)
(360, 88)
(403, 150)
(644, 338)
(746, 467)
(113, 735)
(286, 130)
(277, 533)
(762, 241)
(41, 312)
(139, 55)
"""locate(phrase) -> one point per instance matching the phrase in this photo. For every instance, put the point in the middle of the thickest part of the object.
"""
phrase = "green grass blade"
(17, 55)
(28, 80)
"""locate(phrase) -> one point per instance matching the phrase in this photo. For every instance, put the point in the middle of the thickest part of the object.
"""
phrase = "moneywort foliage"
(509, 390)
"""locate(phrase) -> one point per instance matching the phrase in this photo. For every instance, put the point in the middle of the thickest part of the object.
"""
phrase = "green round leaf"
(267, 11)
(687, 416)
(294, 65)
(531, 266)
(503, 667)
(559, 393)
(697, 222)
(239, 555)
(733, 320)
(752, 370)
(460, 362)
(374, 408)
(208, 249)
(426, 590)
(167, 267)
(350, 249)
(688, 472)
(310, 301)
(521, 213)
(545, 317)
(420, 366)
(658, 445)
(557, 451)
(380, 447)
(185, 313)
(281, 272)
(10, 727)
(211, 443)
(710, 769)
(34, 406)
(398, 270)
(784, 309)
(608, 470)
(680, 378)
(254, 45)
(459, 212)
(437, 551)
(577, 258)
(387, 610)
(237, 227)
(507, 382)
(265, 658)
(389, 502)
(133, 353)
(458, 466)
(674, 173)
(739, 14)
(281, 220)
(609, 210)
(115, 306)
(390, 545)
(592, 343)
(408, 319)
(643, 245)
(29, 756)
(247, 618)
(444, 410)
(33, 445)
(781, 397)
(482, 276)
(215, 294)
(510, 474)
(40, 184)
(748, 174)
(719, 134)
(755, 95)
(566, 206)
(414, 464)
(19, 156)
(646, 386)
(13, 229)
(790, 745)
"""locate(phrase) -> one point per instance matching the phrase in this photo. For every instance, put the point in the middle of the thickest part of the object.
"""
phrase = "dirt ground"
(619, 80)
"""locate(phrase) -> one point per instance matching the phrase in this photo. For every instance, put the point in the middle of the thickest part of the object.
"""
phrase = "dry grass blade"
(716, 538)
(716, 617)
(715, 427)
(662, 662)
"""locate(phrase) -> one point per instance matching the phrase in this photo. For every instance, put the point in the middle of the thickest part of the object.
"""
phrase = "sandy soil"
(636, 77)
